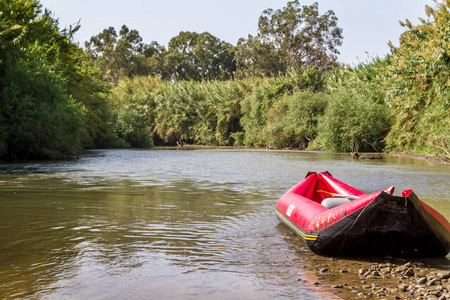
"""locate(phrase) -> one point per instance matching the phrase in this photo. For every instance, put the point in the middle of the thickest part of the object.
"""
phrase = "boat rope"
(353, 224)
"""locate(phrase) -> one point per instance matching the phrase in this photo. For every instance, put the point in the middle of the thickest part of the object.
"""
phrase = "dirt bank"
(391, 279)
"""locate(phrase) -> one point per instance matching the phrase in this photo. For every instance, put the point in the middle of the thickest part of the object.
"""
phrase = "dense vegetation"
(282, 88)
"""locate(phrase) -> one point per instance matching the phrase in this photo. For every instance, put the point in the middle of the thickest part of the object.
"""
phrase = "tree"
(295, 36)
(255, 57)
(38, 115)
(124, 54)
(198, 56)
(420, 90)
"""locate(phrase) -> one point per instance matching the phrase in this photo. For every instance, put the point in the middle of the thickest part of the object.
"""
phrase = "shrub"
(41, 119)
(132, 127)
(352, 123)
(420, 90)
(292, 121)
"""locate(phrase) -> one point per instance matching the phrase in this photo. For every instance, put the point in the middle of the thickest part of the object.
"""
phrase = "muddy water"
(166, 224)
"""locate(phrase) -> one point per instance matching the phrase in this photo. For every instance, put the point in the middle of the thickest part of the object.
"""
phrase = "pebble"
(409, 272)
(444, 275)
(415, 282)
(421, 280)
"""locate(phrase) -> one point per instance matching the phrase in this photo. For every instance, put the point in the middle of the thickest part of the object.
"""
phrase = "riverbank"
(433, 160)
(430, 159)
(391, 279)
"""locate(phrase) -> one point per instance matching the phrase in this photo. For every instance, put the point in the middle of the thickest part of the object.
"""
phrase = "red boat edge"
(374, 224)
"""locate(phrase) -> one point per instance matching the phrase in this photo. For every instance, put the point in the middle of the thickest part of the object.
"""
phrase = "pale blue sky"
(367, 25)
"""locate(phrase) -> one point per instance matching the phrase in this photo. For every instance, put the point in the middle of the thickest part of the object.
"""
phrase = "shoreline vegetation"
(281, 89)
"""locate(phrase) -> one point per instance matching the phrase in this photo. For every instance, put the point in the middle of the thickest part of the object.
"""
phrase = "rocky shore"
(363, 280)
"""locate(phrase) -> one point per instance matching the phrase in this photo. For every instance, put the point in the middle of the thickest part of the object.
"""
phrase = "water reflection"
(137, 222)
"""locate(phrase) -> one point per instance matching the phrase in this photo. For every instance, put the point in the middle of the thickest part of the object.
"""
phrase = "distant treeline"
(282, 88)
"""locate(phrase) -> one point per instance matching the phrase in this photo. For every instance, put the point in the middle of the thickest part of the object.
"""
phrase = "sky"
(368, 25)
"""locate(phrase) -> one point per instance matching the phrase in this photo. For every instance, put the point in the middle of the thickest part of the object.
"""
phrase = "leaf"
(408, 24)
(428, 11)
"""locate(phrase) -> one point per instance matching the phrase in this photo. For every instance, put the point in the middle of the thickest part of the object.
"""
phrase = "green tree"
(199, 56)
(124, 54)
(257, 57)
(294, 36)
(43, 77)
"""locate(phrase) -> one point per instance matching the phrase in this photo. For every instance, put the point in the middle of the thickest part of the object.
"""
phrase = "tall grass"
(277, 112)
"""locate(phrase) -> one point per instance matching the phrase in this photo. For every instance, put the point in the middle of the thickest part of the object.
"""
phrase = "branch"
(375, 148)
(439, 147)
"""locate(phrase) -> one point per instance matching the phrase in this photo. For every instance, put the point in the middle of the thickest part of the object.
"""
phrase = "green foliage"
(420, 91)
(180, 112)
(249, 112)
(257, 108)
(295, 36)
(204, 113)
(190, 56)
(55, 98)
(131, 127)
(292, 121)
(124, 54)
(33, 45)
(353, 123)
(133, 104)
(41, 119)
(367, 80)
(199, 56)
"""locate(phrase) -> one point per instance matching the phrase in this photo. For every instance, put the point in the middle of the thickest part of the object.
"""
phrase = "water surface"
(165, 224)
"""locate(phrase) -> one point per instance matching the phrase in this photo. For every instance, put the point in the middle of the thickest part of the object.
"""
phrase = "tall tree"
(291, 37)
(38, 115)
(199, 56)
(124, 54)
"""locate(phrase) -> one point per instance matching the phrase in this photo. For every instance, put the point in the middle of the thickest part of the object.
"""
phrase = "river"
(175, 224)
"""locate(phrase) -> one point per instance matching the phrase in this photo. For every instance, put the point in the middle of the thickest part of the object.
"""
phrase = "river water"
(168, 224)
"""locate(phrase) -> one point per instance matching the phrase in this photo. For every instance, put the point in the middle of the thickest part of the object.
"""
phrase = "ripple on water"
(173, 224)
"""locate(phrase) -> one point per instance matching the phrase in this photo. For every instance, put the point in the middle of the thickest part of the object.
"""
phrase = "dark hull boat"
(336, 219)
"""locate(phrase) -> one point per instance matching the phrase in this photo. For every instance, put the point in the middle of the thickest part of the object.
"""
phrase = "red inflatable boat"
(336, 219)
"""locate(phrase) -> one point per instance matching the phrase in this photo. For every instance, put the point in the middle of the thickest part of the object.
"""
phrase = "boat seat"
(333, 202)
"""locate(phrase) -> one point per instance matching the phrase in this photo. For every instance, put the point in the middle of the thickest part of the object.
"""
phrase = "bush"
(41, 119)
(352, 123)
(254, 109)
(420, 86)
(292, 121)
(132, 127)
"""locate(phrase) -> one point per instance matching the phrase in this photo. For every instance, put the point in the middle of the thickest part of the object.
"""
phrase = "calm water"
(166, 224)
